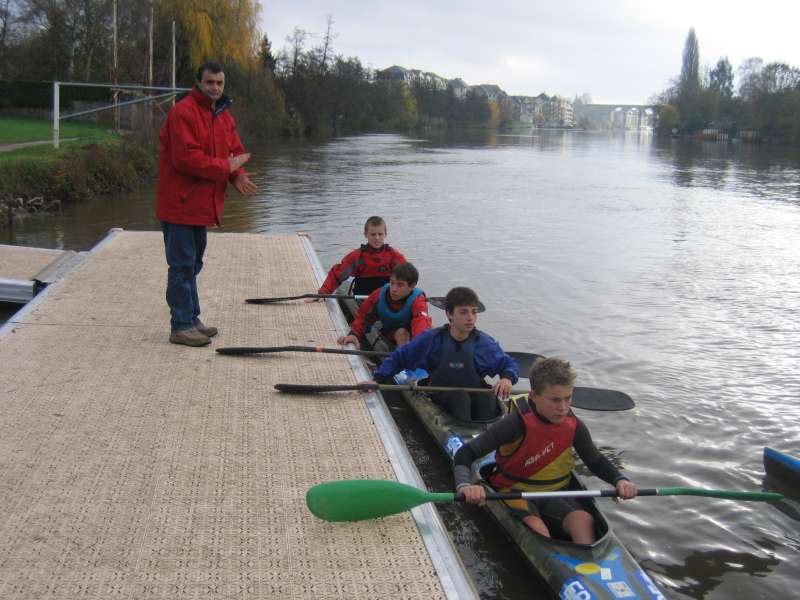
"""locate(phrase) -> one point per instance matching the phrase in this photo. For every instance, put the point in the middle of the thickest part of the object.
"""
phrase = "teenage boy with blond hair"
(370, 265)
(533, 448)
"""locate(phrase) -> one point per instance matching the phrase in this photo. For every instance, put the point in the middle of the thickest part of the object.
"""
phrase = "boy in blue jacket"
(457, 355)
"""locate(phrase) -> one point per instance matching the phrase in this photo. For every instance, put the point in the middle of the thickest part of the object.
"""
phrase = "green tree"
(265, 56)
(721, 78)
(689, 85)
(667, 118)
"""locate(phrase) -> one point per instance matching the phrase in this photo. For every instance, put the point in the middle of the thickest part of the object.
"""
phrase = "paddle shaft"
(612, 493)
(437, 301)
(298, 388)
(586, 398)
(300, 297)
(522, 358)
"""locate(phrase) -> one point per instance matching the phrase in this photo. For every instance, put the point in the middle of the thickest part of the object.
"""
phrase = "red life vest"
(543, 460)
(376, 263)
(371, 269)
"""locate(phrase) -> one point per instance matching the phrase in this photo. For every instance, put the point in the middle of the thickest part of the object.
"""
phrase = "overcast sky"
(619, 52)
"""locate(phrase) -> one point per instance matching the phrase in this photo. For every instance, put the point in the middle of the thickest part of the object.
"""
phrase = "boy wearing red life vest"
(400, 306)
(370, 265)
(534, 452)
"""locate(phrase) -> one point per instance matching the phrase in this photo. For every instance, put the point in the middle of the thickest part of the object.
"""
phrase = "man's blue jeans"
(184, 246)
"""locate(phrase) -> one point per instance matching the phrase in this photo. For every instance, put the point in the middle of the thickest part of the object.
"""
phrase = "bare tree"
(297, 41)
(326, 50)
(5, 21)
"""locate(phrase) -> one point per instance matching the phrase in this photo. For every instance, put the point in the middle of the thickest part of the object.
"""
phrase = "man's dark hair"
(211, 67)
(374, 221)
(406, 272)
(460, 296)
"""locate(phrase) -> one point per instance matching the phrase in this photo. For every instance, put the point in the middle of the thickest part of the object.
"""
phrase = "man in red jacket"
(200, 152)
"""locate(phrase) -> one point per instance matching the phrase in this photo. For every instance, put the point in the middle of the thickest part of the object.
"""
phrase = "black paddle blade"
(271, 300)
(240, 351)
(600, 399)
(439, 303)
(525, 361)
(298, 388)
(236, 351)
(287, 298)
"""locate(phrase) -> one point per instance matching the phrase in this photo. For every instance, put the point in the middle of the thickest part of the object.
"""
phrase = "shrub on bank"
(77, 173)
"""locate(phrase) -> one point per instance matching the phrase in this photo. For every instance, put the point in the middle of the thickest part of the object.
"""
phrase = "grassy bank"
(76, 172)
(19, 129)
(98, 163)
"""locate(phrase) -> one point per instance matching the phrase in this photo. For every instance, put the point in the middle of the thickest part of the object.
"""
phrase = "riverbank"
(39, 179)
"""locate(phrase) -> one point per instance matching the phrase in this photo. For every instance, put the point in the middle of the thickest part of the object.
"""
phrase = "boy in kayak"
(534, 453)
(400, 307)
(370, 265)
(457, 355)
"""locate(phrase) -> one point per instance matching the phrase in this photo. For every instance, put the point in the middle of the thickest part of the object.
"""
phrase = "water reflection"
(703, 571)
(765, 172)
(660, 268)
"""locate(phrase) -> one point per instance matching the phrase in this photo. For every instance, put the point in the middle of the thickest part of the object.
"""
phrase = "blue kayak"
(604, 570)
(782, 467)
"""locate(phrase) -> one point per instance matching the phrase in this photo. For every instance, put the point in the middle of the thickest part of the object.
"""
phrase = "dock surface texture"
(135, 468)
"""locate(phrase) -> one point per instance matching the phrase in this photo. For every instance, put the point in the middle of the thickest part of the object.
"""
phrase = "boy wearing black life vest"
(400, 307)
(534, 453)
(370, 265)
(457, 355)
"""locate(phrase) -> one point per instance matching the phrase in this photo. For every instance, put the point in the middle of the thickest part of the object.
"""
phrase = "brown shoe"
(205, 330)
(189, 337)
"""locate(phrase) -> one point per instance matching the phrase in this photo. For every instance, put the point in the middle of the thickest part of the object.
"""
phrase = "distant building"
(459, 87)
(559, 112)
(616, 116)
(539, 110)
(490, 91)
(522, 109)
(413, 77)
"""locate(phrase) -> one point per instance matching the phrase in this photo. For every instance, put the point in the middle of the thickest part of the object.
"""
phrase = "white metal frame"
(58, 117)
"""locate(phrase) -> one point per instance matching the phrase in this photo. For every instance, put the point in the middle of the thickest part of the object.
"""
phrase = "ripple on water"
(666, 271)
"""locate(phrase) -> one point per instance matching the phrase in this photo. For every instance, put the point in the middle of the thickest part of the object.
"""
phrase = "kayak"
(604, 569)
(782, 467)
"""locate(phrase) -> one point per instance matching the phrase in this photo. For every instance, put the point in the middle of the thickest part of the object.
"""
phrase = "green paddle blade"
(727, 494)
(360, 499)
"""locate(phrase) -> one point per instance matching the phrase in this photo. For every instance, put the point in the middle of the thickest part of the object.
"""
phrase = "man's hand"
(234, 162)
(502, 388)
(243, 185)
(626, 489)
(349, 339)
(474, 494)
(310, 300)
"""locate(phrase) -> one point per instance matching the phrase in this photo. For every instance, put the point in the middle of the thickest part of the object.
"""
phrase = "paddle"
(300, 297)
(524, 359)
(360, 499)
(436, 301)
(236, 351)
(586, 398)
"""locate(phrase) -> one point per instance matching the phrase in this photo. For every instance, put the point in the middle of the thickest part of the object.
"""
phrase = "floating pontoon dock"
(135, 468)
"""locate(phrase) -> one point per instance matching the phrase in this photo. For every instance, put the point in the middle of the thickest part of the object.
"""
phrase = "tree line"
(764, 105)
(334, 93)
(304, 88)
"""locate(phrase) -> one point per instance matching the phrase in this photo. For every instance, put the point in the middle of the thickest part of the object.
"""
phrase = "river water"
(665, 269)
